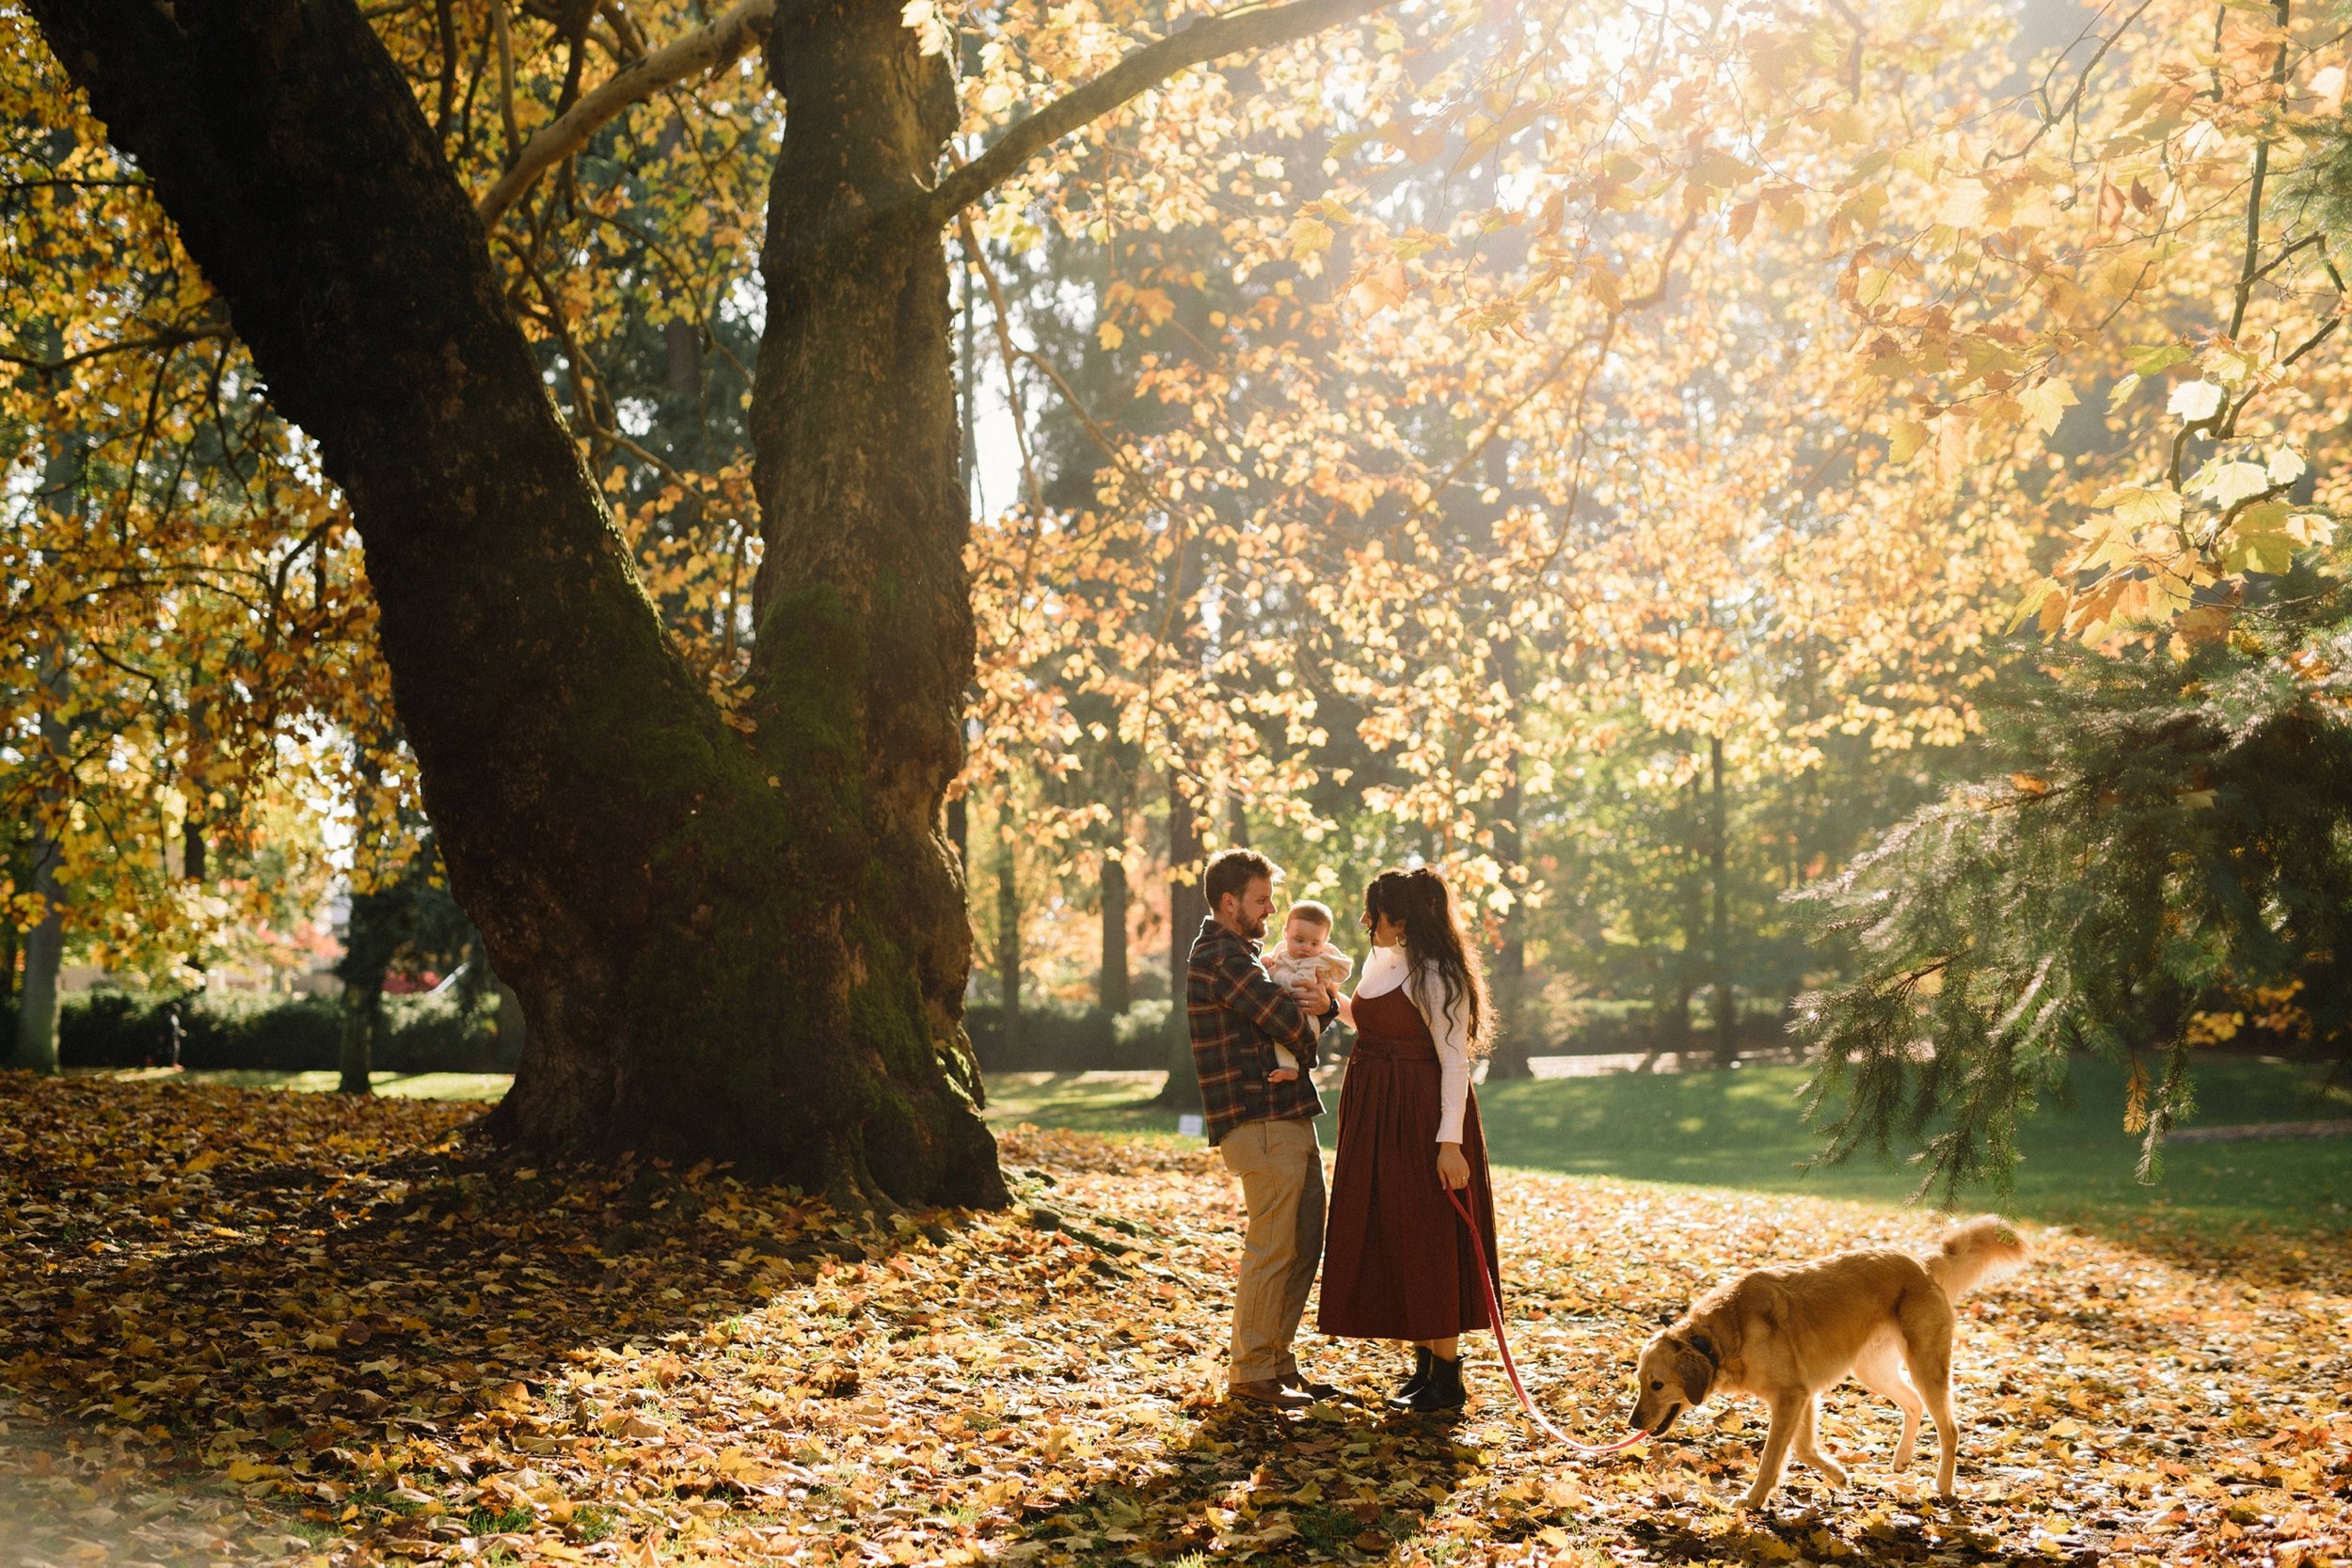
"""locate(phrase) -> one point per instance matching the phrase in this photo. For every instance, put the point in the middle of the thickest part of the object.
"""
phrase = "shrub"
(1055, 1039)
(303, 1034)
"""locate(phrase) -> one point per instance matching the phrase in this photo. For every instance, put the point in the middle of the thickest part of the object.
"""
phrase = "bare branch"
(1011, 356)
(707, 48)
(1209, 39)
(174, 338)
(2247, 272)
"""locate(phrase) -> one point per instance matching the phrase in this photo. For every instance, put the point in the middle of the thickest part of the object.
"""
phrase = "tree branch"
(707, 48)
(175, 338)
(1209, 39)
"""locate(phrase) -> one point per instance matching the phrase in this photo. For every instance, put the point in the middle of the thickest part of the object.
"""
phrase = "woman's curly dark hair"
(1435, 942)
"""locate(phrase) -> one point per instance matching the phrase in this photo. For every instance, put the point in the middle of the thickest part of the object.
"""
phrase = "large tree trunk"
(753, 948)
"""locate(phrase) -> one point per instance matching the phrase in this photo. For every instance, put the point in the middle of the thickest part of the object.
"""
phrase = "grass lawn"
(400, 1085)
(1742, 1129)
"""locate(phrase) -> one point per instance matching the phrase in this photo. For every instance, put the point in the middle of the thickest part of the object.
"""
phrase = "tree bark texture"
(748, 948)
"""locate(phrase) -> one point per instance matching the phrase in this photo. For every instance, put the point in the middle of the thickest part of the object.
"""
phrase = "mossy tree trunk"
(746, 947)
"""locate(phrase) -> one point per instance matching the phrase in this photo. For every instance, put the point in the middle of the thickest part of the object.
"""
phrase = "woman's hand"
(1453, 1170)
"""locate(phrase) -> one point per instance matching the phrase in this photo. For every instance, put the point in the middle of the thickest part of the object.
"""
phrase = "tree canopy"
(1469, 434)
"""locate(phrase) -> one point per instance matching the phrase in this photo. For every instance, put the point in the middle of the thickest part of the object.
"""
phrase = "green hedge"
(1055, 1039)
(421, 1033)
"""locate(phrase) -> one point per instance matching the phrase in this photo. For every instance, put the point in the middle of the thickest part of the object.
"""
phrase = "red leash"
(1494, 1314)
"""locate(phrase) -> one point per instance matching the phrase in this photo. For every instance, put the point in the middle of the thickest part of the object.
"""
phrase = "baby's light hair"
(1315, 914)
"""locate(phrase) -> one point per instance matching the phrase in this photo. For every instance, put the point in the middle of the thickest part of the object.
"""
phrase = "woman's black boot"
(1444, 1390)
(1403, 1399)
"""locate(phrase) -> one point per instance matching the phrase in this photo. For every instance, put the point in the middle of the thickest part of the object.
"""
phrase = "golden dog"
(1788, 1334)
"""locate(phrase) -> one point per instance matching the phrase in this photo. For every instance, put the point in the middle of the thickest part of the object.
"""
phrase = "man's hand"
(1310, 999)
(1453, 1170)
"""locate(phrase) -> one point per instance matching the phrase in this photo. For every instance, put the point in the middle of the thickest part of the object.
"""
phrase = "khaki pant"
(1281, 1184)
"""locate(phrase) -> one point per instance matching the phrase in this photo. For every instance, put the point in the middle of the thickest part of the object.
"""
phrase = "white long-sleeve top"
(1385, 970)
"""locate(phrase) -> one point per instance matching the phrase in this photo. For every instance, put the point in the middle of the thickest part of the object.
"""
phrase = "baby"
(1304, 957)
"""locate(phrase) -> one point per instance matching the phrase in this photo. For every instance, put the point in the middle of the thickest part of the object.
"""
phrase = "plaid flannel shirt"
(1238, 1015)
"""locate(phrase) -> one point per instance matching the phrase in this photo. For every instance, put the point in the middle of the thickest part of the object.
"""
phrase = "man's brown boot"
(1268, 1393)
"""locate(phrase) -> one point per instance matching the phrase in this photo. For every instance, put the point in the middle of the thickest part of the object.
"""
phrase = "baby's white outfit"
(1330, 964)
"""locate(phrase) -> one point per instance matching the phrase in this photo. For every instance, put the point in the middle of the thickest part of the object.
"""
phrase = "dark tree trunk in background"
(36, 996)
(362, 1022)
(1187, 910)
(372, 938)
(1117, 994)
(1679, 977)
(1236, 823)
(713, 964)
(11, 948)
(1008, 931)
(193, 854)
(1719, 945)
(682, 358)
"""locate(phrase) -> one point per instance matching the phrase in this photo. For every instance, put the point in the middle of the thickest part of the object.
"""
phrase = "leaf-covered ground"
(244, 1326)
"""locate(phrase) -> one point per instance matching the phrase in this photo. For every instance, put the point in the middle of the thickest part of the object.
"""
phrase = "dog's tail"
(1977, 1253)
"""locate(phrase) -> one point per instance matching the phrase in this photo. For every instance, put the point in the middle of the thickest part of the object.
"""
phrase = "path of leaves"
(254, 1325)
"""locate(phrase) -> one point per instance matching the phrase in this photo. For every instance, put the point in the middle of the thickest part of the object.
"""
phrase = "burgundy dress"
(1397, 1262)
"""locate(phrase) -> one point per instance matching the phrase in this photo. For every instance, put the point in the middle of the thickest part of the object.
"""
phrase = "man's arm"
(1247, 991)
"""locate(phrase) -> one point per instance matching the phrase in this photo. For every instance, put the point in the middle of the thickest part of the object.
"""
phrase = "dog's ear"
(1694, 1371)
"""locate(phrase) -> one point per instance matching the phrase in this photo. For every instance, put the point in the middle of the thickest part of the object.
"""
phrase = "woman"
(1398, 1263)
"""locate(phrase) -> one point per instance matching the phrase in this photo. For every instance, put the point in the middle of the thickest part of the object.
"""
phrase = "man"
(1265, 1130)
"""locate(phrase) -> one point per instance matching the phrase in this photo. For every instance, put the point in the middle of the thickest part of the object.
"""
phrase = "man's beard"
(1253, 929)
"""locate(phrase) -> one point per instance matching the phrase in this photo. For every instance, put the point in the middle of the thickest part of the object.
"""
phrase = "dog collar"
(1705, 1347)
